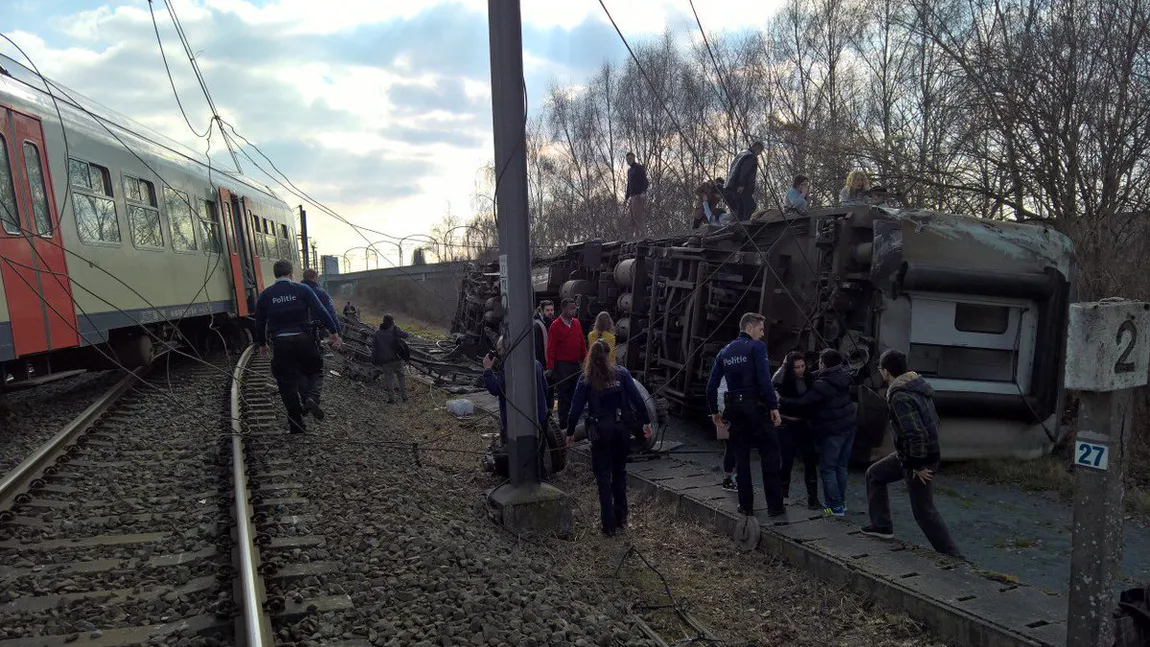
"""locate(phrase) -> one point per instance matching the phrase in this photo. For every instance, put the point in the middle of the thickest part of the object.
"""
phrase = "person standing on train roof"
(750, 394)
(284, 312)
(740, 189)
(636, 193)
(566, 348)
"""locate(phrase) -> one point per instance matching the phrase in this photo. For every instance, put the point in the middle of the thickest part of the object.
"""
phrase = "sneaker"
(874, 531)
(776, 513)
(839, 511)
(745, 513)
(312, 407)
(729, 485)
(813, 504)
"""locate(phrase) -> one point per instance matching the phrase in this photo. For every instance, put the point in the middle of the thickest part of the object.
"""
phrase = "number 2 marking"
(1123, 366)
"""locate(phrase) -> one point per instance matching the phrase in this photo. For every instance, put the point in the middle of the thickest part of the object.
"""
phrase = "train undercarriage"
(979, 306)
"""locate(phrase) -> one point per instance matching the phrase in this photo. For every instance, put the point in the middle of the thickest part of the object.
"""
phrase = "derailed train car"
(979, 306)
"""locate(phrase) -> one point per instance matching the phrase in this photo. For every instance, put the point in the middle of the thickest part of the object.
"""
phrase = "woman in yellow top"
(603, 329)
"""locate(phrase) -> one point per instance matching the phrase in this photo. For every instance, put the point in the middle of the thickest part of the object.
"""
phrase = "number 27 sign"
(1091, 455)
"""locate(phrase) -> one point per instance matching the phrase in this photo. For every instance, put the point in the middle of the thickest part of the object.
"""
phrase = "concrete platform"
(955, 599)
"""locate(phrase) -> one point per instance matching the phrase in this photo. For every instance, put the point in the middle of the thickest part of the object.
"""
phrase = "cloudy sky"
(381, 109)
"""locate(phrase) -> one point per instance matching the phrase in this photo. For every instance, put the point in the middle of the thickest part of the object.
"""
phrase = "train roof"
(80, 112)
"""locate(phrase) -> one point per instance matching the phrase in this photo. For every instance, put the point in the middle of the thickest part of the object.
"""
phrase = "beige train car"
(115, 239)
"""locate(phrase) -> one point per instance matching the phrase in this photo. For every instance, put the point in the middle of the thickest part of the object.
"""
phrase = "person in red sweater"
(566, 348)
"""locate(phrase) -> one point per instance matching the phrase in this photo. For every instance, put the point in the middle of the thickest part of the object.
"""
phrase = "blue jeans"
(835, 453)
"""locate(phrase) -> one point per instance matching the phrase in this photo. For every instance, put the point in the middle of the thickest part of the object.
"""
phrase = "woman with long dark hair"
(610, 394)
(792, 380)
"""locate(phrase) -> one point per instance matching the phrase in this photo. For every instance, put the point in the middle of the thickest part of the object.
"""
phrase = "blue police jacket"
(495, 385)
(286, 308)
(325, 299)
(744, 363)
(608, 401)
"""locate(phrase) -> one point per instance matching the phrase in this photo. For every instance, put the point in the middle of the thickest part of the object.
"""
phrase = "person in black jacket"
(608, 392)
(792, 380)
(385, 356)
(833, 422)
(284, 312)
(740, 189)
(636, 195)
(914, 423)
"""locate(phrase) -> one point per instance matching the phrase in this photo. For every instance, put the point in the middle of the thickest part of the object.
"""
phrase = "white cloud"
(364, 103)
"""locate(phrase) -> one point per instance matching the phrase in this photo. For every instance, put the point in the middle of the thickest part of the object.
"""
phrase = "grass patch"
(1045, 474)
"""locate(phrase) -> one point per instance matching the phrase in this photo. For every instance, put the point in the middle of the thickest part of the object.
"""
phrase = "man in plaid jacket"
(914, 423)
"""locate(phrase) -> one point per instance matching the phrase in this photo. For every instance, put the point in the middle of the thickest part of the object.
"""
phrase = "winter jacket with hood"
(383, 345)
(829, 402)
(914, 421)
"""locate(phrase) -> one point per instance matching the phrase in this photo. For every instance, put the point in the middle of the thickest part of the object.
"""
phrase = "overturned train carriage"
(979, 307)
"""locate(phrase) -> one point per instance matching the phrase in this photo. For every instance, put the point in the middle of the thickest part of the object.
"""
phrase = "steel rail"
(253, 627)
(37, 464)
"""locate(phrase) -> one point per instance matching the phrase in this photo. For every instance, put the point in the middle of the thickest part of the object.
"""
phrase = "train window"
(96, 219)
(141, 191)
(8, 214)
(143, 216)
(283, 232)
(210, 227)
(981, 318)
(96, 178)
(181, 220)
(38, 189)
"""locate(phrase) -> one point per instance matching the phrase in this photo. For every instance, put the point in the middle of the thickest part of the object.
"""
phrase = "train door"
(33, 268)
(255, 236)
(234, 236)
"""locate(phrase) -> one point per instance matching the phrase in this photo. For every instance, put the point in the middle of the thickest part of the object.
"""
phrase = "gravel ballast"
(423, 564)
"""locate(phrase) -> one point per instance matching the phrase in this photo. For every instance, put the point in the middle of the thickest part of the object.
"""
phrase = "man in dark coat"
(636, 195)
(740, 189)
(833, 422)
(914, 423)
(384, 355)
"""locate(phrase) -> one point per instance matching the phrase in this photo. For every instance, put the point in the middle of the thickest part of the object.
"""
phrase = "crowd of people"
(723, 201)
(794, 413)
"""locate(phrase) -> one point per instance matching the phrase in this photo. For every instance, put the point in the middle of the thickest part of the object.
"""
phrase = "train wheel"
(556, 446)
(133, 351)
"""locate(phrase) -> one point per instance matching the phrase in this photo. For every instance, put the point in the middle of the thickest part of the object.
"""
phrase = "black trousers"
(750, 429)
(742, 204)
(890, 470)
(565, 377)
(609, 463)
(298, 370)
(796, 437)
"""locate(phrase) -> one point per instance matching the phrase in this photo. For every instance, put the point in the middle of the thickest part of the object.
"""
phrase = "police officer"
(318, 331)
(284, 313)
(743, 362)
(608, 391)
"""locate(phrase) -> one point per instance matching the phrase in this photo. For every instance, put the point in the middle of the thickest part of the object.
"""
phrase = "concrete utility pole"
(526, 506)
(1104, 362)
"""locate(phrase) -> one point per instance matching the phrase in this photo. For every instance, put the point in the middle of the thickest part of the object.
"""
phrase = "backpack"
(1132, 619)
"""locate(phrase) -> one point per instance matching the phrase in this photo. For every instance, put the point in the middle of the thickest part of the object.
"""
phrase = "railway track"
(134, 524)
